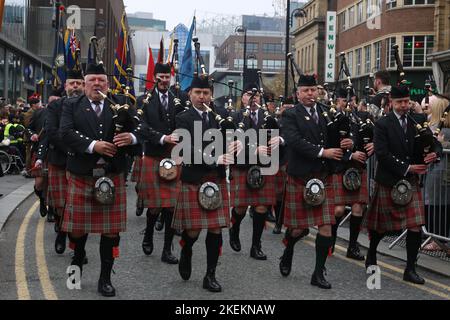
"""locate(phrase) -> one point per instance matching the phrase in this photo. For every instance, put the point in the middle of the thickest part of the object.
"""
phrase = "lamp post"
(242, 29)
(297, 13)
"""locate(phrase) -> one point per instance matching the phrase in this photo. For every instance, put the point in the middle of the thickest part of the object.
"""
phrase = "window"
(350, 62)
(416, 49)
(238, 63)
(251, 47)
(273, 64)
(390, 57)
(341, 21)
(351, 16)
(391, 4)
(252, 63)
(272, 48)
(413, 2)
(377, 49)
(358, 58)
(359, 12)
(368, 58)
(302, 61)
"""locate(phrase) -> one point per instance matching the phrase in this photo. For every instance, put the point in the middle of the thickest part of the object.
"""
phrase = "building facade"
(367, 30)
(309, 38)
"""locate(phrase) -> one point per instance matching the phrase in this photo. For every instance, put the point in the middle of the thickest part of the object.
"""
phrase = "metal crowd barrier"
(436, 196)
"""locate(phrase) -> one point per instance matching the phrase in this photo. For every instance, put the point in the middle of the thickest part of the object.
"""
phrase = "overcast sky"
(176, 11)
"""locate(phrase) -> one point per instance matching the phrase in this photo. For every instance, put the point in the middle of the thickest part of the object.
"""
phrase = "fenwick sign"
(330, 46)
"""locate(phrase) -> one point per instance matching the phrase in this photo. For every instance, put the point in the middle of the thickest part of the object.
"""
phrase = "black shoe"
(235, 242)
(50, 215)
(60, 243)
(43, 209)
(210, 283)
(159, 224)
(256, 253)
(168, 257)
(105, 288)
(139, 211)
(318, 280)
(147, 244)
(286, 262)
(370, 261)
(277, 229)
(354, 253)
(412, 276)
(185, 264)
(270, 217)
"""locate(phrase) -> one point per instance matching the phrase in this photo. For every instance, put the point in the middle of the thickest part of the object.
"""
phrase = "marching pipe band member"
(309, 191)
(347, 192)
(260, 199)
(192, 214)
(397, 203)
(96, 163)
(57, 155)
(159, 192)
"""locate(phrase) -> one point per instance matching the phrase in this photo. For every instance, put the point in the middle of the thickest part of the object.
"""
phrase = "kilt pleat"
(190, 215)
(136, 172)
(344, 197)
(280, 183)
(242, 196)
(383, 215)
(155, 192)
(298, 214)
(83, 214)
(57, 187)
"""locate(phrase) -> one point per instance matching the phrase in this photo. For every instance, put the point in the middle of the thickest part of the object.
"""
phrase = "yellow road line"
(44, 278)
(21, 278)
(398, 279)
(398, 270)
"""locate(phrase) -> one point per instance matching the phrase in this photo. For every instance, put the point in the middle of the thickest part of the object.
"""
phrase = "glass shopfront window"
(14, 75)
(2, 71)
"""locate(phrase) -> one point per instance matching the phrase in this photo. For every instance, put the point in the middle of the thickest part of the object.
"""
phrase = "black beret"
(249, 87)
(200, 83)
(307, 81)
(342, 93)
(399, 92)
(95, 69)
(162, 68)
(74, 74)
(289, 100)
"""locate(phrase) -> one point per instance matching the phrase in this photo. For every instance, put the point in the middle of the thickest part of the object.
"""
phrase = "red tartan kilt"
(36, 172)
(136, 173)
(299, 215)
(280, 182)
(83, 214)
(155, 192)
(190, 215)
(57, 187)
(344, 197)
(383, 215)
(243, 196)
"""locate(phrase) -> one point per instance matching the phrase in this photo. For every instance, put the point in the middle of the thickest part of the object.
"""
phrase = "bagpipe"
(424, 139)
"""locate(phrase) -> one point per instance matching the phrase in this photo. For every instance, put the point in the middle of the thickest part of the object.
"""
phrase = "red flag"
(150, 70)
(161, 51)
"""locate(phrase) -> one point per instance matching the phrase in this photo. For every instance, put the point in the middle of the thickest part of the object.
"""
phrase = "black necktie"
(205, 120)
(404, 124)
(254, 120)
(314, 115)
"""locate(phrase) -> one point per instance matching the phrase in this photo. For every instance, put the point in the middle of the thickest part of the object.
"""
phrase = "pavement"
(16, 189)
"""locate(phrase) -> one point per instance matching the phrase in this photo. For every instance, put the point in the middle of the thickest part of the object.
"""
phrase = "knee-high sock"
(169, 232)
(151, 220)
(413, 240)
(355, 226)
(187, 242)
(375, 239)
(236, 219)
(335, 227)
(323, 244)
(212, 249)
(79, 250)
(108, 246)
(259, 221)
(279, 212)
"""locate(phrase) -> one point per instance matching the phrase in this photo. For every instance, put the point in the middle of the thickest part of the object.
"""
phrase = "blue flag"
(59, 63)
(187, 65)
